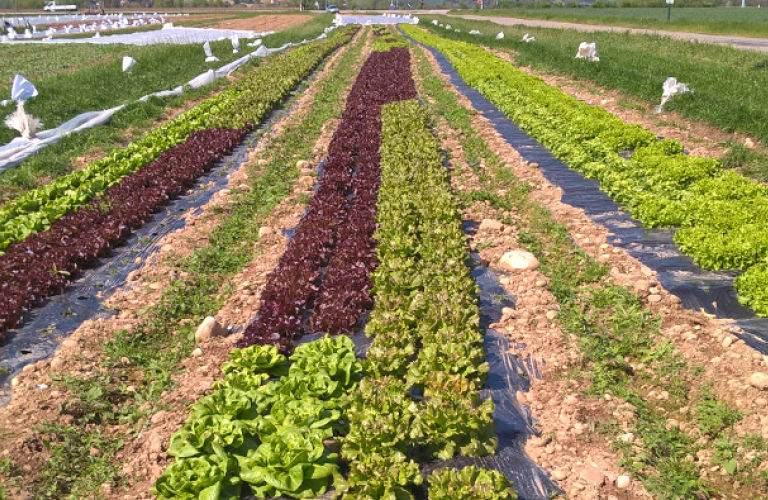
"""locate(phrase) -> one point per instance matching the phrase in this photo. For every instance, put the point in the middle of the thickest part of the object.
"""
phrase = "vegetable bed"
(418, 400)
(721, 214)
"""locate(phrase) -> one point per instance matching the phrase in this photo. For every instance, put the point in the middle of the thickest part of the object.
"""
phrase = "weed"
(627, 105)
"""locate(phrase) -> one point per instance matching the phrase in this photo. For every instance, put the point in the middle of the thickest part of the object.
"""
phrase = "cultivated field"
(391, 263)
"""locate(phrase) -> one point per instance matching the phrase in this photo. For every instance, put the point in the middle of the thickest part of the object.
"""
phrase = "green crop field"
(730, 86)
(751, 21)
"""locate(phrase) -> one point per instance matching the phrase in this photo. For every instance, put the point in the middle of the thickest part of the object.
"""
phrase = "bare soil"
(266, 22)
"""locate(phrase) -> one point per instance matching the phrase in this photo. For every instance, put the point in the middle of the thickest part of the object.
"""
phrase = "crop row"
(246, 102)
(337, 228)
(269, 427)
(271, 434)
(721, 214)
(418, 401)
(46, 262)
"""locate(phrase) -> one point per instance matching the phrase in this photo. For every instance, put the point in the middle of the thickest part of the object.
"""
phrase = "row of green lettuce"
(247, 102)
(722, 216)
(270, 425)
(418, 401)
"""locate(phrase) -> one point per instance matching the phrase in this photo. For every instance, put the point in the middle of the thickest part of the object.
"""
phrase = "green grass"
(750, 22)
(100, 85)
(730, 86)
(155, 349)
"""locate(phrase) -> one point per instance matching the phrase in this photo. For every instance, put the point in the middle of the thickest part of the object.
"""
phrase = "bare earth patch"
(266, 22)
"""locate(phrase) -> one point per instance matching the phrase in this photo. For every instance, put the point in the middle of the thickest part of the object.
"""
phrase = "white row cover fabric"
(587, 51)
(22, 89)
(671, 88)
(19, 149)
(174, 35)
(73, 18)
(128, 63)
(343, 20)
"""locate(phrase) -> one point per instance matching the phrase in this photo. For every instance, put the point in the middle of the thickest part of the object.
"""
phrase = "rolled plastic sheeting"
(20, 149)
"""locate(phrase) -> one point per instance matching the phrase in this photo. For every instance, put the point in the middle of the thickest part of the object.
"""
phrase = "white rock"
(627, 438)
(759, 380)
(264, 231)
(622, 482)
(197, 352)
(518, 260)
(559, 475)
(209, 328)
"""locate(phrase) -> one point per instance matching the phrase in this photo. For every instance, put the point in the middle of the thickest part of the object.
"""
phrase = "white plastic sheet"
(22, 89)
(500, 36)
(209, 57)
(171, 35)
(528, 39)
(587, 51)
(671, 88)
(128, 63)
(235, 44)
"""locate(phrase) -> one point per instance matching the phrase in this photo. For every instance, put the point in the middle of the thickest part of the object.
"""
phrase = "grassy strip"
(721, 214)
(623, 351)
(731, 86)
(716, 21)
(156, 347)
(246, 102)
(425, 324)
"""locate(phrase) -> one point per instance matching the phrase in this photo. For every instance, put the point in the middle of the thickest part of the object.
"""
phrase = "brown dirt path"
(266, 22)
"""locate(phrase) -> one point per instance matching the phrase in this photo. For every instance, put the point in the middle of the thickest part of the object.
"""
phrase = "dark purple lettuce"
(46, 262)
(337, 230)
